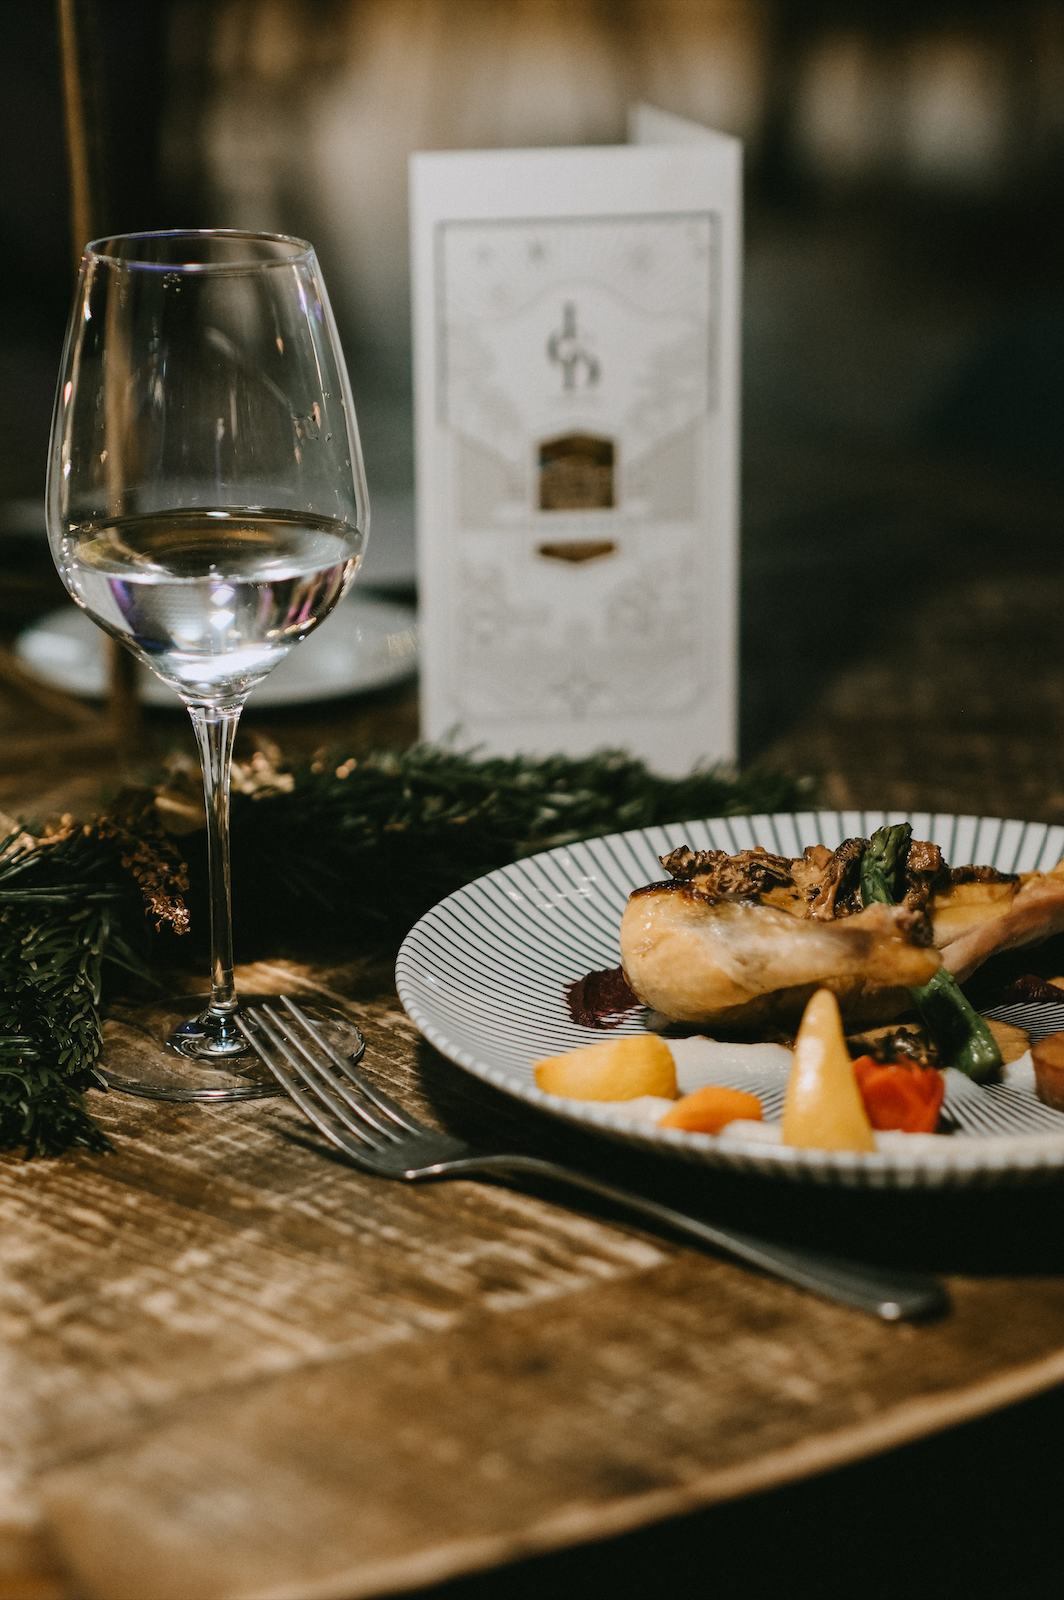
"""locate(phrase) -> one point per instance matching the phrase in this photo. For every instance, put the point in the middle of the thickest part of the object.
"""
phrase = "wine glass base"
(151, 1051)
(214, 1040)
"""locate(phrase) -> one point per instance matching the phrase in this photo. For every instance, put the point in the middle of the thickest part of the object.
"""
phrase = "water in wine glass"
(210, 599)
(203, 390)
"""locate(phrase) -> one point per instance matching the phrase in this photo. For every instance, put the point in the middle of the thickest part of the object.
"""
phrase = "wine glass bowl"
(206, 497)
(209, 600)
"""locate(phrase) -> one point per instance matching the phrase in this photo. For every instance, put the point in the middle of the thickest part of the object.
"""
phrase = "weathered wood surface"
(235, 1367)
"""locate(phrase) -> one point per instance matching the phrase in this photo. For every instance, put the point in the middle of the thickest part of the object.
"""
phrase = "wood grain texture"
(235, 1367)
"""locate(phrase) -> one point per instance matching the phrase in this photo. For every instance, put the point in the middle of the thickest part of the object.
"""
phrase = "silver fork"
(381, 1138)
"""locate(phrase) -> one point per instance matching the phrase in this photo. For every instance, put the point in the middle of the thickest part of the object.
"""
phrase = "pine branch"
(351, 853)
(70, 904)
(347, 853)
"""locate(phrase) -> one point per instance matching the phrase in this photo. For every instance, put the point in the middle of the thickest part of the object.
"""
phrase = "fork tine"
(382, 1101)
(358, 1151)
(322, 1076)
(337, 1107)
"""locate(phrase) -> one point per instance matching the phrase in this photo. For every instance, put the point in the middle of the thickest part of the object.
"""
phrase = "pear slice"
(823, 1109)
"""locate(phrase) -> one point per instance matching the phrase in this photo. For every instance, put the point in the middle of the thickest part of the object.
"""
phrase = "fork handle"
(894, 1296)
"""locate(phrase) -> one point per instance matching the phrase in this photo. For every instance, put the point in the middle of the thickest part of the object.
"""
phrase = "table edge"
(904, 1424)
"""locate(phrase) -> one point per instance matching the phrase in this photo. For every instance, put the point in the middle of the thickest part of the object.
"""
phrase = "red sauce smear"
(600, 999)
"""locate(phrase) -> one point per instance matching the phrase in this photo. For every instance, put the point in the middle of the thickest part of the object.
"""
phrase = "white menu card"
(576, 355)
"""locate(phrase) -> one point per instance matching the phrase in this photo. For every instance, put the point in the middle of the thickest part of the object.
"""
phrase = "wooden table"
(233, 1367)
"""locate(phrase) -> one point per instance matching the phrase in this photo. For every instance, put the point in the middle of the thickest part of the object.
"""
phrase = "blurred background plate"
(366, 644)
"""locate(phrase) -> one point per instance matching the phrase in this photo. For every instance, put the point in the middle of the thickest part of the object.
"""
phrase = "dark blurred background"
(904, 314)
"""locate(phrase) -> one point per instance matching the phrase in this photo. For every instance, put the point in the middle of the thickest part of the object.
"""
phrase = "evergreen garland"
(343, 852)
(352, 853)
(70, 905)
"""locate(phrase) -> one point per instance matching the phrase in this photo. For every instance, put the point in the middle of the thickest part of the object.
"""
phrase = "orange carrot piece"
(708, 1110)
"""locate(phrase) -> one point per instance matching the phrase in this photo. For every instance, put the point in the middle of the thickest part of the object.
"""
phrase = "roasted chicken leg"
(743, 940)
(738, 963)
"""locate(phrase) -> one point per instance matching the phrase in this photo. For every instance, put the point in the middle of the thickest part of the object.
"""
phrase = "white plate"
(483, 976)
(365, 644)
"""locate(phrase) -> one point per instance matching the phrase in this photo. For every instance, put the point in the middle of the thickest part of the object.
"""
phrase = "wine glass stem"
(215, 731)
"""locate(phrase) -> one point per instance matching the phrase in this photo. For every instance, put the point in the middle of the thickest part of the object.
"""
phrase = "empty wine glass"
(207, 506)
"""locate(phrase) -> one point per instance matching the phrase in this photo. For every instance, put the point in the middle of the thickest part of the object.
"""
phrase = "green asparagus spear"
(963, 1038)
(879, 864)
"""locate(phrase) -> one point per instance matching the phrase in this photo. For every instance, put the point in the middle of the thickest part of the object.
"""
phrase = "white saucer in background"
(365, 644)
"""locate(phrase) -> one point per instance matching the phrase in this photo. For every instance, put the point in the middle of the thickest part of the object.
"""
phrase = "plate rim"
(1033, 1156)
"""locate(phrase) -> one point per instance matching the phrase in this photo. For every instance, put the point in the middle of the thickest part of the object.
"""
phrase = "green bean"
(963, 1037)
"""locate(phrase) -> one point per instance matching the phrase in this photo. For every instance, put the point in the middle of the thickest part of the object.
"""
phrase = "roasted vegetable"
(961, 1034)
(880, 863)
(711, 1109)
(1048, 1058)
(619, 1069)
(964, 1040)
(823, 1109)
(900, 1094)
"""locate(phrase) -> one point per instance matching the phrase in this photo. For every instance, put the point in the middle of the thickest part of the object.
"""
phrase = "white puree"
(1019, 1074)
(646, 1108)
(772, 1133)
(703, 1061)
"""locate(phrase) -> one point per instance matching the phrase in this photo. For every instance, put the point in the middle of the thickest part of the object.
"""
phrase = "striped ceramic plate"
(483, 976)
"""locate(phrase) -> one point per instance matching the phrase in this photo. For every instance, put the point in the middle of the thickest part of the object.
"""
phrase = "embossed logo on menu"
(568, 350)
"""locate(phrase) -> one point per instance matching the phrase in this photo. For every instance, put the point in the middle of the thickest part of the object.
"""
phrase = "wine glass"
(207, 507)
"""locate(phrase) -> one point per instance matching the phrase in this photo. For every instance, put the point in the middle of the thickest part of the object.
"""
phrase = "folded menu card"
(576, 332)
